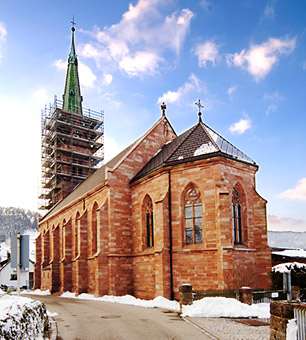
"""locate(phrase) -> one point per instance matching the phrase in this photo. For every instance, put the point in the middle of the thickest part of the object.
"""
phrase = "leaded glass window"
(149, 222)
(236, 215)
(193, 216)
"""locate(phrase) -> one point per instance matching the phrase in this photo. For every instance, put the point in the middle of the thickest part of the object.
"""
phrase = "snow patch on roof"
(286, 267)
(291, 253)
(205, 148)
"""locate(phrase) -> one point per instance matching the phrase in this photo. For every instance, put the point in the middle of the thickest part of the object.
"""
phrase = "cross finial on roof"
(73, 24)
(163, 108)
(200, 106)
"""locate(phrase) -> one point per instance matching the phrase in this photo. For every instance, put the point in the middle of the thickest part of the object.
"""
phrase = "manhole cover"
(110, 316)
(253, 322)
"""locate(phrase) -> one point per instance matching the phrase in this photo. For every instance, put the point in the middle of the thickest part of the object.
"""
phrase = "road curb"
(53, 329)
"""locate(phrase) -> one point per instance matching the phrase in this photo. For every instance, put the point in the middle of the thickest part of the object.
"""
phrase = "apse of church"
(167, 210)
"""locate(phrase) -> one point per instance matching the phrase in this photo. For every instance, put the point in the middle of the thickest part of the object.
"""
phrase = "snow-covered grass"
(21, 318)
(207, 307)
(286, 267)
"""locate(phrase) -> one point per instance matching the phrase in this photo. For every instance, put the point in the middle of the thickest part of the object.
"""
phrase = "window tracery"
(149, 221)
(236, 216)
(193, 216)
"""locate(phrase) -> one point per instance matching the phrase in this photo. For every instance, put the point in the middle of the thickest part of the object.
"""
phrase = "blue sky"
(245, 60)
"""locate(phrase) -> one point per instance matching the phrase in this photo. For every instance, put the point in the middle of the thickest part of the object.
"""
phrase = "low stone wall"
(26, 321)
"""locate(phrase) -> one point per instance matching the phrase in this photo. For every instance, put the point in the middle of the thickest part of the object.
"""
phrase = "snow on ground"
(158, 302)
(207, 307)
(286, 267)
(36, 292)
(291, 330)
(216, 307)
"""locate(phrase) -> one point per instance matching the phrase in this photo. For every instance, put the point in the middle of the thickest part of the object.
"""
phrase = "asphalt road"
(95, 320)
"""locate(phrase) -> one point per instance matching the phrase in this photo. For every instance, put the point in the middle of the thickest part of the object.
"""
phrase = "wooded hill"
(14, 220)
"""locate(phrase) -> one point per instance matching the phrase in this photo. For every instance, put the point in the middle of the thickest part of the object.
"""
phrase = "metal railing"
(300, 316)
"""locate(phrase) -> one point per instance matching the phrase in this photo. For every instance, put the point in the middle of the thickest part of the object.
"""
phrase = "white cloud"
(3, 31)
(87, 77)
(191, 86)
(297, 193)
(137, 43)
(207, 51)
(206, 4)
(271, 108)
(242, 126)
(275, 98)
(140, 63)
(3, 34)
(107, 79)
(259, 59)
(60, 64)
(231, 90)
(269, 11)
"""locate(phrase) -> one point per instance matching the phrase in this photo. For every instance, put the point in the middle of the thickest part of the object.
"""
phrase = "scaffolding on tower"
(72, 148)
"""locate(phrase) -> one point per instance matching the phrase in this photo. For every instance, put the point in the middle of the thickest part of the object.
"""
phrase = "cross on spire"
(200, 106)
(73, 24)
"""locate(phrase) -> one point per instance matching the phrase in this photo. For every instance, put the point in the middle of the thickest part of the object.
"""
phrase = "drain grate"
(110, 316)
(253, 322)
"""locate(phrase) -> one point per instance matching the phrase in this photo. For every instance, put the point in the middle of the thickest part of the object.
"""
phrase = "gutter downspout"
(170, 235)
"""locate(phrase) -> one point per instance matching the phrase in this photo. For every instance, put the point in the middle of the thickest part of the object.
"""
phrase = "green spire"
(72, 99)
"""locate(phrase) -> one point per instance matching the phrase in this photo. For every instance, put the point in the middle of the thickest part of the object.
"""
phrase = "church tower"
(71, 140)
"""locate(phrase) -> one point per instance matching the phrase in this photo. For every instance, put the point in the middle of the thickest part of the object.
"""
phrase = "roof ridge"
(140, 139)
(183, 141)
(228, 142)
(204, 126)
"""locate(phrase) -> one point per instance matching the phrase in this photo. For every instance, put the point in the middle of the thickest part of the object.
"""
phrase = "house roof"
(198, 142)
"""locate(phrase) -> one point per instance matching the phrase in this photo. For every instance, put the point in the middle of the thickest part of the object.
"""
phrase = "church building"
(167, 210)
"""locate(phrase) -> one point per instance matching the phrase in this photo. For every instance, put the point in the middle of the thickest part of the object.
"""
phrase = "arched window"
(148, 208)
(236, 214)
(63, 238)
(193, 215)
(76, 235)
(94, 228)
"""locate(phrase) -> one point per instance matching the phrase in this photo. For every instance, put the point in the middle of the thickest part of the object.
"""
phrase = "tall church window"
(94, 228)
(76, 235)
(193, 215)
(237, 218)
(149, 222)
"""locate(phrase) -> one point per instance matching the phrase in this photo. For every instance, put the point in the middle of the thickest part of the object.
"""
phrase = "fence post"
(246, 295)
(296, 293)
(185, 295)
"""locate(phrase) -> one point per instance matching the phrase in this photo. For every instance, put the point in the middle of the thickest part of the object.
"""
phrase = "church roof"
(198, 142)
(96, 179)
